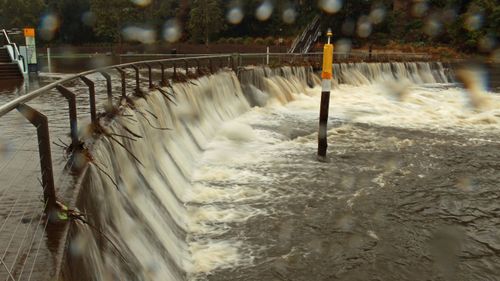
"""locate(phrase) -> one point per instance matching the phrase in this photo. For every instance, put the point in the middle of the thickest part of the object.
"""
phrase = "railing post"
(175, 70)
(211, 65)
(150, 76)
(186, 65)
(73, 121)
(163, 80)
(198, 71)
(42, 129)
(124, 82)
(109, 87)
(90, 84)
(137, 79)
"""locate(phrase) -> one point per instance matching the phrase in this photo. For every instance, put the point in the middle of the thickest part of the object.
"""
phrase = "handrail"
(6, 108)
(6, 36)
(16, 56)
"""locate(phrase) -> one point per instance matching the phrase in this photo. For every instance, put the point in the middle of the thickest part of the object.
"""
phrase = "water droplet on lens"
(172, 31)
(139, 34)
(48, 26)
(289, 15)
(343, 46)
(377, 15)
(264, 11)
(330, 6)
(432, 27)
(473, 22)
(235, 15)
(141, 3)
(419, 8)
(348, 27)
(364, 28)
(88, 18)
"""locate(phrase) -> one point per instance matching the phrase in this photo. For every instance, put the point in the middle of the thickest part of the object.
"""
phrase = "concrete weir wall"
(137, 203)
(140, 215)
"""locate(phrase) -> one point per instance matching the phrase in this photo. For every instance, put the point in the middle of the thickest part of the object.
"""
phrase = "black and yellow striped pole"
(326, 85)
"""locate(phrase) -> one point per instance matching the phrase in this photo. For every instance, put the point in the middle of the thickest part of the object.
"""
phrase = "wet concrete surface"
(392, 204)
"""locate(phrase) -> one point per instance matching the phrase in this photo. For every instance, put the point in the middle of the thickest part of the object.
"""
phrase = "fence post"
(124, 82)
(109, 88)
(91, 86)
(137, 79)
(42, 129)
(73, 121)
(150, 76)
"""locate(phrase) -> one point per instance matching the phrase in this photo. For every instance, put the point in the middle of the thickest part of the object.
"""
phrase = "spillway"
(150, 214)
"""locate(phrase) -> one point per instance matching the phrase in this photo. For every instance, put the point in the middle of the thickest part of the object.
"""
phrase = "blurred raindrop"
(264, 11)
(88, 18)
(139, 34)
(234, 15)
(419, 8)
(449, 15)
(289, 15)
(397, 89)
(466, 184)
(78, 245)
(487, 43)
(432, 27)
(377, 15)
(348, 27)
(473, 22)
(343, 45)
(5, 149)
(474, 81)
(330, 6)
(142, 3)
(364, 28)
(48, 26)
(495, 56)
(172, 31)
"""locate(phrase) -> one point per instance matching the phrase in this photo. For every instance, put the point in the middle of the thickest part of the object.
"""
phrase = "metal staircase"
(11, 62)
(305, 41)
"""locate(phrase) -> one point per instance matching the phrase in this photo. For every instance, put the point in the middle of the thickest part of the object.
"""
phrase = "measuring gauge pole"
(326, 86)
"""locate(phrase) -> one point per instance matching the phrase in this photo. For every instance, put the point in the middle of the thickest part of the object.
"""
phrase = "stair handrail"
(300, 38)
(15, 51)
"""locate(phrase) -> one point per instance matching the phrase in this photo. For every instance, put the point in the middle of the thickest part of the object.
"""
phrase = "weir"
(136, 213)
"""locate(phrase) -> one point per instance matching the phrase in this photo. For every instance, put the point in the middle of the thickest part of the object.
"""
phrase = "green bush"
(248, 41)
(230, 40)
(259, 41)
(269, 41)
(238, 40)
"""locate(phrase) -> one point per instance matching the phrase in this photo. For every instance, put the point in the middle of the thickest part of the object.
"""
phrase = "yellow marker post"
(326, 86)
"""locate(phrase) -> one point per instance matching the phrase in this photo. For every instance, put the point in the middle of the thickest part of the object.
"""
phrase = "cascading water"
(147, 218)
(416, 72)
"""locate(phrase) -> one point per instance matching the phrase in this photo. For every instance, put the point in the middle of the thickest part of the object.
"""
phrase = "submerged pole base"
(323, 158)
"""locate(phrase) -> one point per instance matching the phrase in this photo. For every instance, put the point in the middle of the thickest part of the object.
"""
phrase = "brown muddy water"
(394, 202)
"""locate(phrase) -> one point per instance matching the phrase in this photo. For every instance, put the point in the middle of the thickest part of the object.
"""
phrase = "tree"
(70, 13)
(206, 19)
(20, 13)
(112, 16)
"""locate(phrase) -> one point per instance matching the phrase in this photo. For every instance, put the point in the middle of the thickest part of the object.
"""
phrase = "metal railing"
(167, 70)
(13, 50)
(202, 64)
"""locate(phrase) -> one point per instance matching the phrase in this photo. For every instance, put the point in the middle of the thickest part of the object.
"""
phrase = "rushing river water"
(233, 191)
